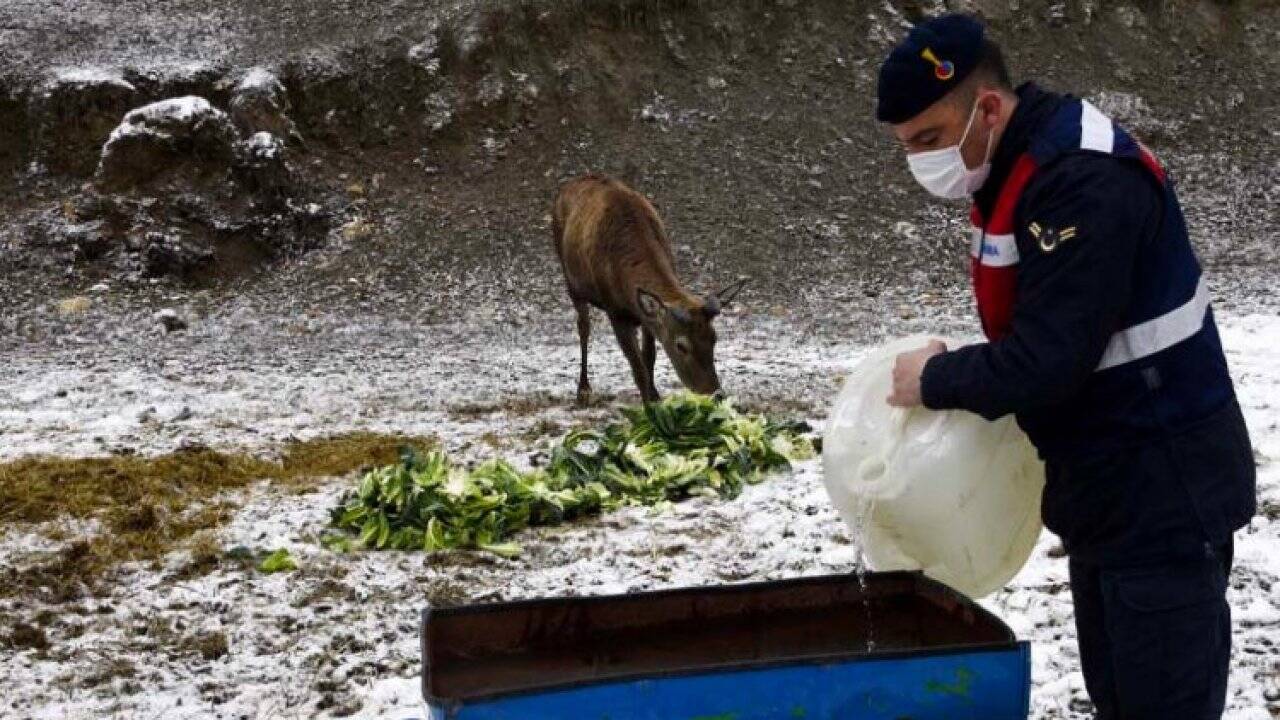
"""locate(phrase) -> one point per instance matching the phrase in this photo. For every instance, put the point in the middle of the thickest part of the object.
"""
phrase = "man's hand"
(907, 371)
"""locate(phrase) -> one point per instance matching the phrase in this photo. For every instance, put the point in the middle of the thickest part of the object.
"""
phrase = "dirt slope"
(748, 123)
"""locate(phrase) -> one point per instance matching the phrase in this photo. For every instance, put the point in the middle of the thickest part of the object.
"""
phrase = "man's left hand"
(907, 371)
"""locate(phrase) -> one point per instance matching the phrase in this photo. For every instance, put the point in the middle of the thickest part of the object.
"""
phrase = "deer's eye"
(682, 346)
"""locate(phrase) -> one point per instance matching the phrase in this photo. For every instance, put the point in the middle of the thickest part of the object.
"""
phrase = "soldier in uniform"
(1101, 341)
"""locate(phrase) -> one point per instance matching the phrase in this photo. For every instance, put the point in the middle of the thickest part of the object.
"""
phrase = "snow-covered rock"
(171, 252)
(170, 320)
(261, 164)
(153, 137)
(426, 54)
(263, 146)
(260, 103)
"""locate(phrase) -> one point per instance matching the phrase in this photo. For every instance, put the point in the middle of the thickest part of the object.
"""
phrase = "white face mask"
(943, 172)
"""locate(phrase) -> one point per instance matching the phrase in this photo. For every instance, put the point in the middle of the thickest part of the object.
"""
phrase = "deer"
(616, 256)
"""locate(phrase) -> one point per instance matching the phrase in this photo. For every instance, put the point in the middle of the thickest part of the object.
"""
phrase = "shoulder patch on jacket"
(1048, 237)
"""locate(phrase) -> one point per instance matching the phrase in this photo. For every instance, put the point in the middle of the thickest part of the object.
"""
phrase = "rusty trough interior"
(485, 650)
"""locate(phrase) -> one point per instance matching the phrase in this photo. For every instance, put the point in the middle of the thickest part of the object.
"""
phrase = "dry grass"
(446, 593)
(135, 492)
(209, 646)
(525, 405)
(517, 405)
(777, 406)
(149, 505)
(27, 637)
(103, 673)
(206, 555)
(541, 429)
(77, 305)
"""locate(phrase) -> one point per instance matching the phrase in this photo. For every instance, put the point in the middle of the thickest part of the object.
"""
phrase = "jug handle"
(898, 421)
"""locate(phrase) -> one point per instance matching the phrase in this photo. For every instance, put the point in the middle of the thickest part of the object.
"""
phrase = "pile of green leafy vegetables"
(683, 446)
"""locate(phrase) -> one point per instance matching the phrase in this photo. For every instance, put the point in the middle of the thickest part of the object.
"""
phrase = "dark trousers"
(1155, 641)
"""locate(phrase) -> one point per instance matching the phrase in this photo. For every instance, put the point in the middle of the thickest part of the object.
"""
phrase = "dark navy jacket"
(1147, 455)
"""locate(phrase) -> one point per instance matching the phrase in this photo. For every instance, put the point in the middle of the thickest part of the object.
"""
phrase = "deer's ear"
(649, 304)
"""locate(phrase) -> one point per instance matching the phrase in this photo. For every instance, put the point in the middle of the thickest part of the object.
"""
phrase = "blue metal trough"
(897, 647)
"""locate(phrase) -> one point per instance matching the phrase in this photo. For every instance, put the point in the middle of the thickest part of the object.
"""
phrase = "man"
(1102, 343)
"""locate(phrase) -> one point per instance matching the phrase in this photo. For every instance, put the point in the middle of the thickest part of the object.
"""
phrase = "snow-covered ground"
(339, 636)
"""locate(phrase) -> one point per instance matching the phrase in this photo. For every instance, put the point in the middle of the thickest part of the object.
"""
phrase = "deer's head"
(686, 332)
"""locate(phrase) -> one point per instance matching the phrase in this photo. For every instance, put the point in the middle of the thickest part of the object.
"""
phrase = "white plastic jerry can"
(948, 493)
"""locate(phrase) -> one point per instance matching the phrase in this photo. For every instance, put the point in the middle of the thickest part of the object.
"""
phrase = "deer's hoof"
(584, 396)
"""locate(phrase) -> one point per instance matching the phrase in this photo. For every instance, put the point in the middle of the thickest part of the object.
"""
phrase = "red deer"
(616, 255)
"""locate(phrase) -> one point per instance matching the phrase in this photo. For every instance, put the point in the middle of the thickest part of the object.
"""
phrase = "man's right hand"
(907, 371)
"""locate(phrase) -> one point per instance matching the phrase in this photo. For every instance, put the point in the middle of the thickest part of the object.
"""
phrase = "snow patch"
(1131, 111)
(425, 54)
(259, 80)
(88, 76)
(662, 113)
(264, 146)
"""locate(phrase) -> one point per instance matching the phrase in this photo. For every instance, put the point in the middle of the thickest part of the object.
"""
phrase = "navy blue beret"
(931, 61)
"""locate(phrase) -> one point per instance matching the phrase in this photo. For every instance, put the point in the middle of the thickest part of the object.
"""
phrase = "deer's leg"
(649, 353)
(584, 338)
(626, 334)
